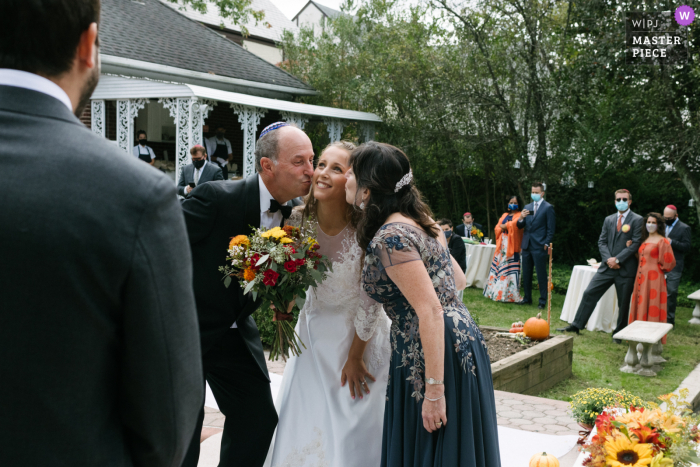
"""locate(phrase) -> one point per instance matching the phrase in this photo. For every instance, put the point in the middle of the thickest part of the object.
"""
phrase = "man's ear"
(87, 47)
(266, 165)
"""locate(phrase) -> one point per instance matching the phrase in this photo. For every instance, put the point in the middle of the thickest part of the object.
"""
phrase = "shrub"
(586, 405)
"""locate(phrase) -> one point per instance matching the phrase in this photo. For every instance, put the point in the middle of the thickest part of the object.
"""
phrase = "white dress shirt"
(536, 206)
(23, 79)
(624, 216)
(138, 150)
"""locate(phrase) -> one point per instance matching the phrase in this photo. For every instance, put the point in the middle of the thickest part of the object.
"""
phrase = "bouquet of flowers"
(278, 265)
(478, 234)
(646, 437)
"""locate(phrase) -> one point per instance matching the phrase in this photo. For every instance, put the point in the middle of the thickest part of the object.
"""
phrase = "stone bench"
(695, 296)
(649, 334)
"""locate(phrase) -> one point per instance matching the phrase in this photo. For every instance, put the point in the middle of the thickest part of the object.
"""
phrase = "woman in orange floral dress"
(655, 259)
(504, 276)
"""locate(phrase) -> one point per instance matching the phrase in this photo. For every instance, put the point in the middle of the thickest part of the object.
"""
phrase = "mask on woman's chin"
(448, 233)
(651, 228)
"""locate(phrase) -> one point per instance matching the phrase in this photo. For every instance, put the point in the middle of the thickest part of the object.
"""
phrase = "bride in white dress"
(331, 402)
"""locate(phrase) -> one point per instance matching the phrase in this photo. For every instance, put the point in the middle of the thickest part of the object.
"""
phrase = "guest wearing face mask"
(465, 229)
(456, 247)
(678, 235)
(219, 148)
(198, 172)
(504, 276)
(142, 150)
(649, 300)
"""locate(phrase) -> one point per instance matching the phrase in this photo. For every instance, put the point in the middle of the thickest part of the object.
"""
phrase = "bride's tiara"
(405, 180)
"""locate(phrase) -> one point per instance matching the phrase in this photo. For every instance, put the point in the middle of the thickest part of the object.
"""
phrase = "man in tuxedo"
(233, 359)
(99, 352)
(465, 229)
(538, 220)
(618, 264)
(199, 171)
(678, 233)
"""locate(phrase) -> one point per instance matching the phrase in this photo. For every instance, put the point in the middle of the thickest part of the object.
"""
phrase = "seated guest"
(678, 235)
(142, 151)
(199, 171)
(504, 277)
(618, 265)
(219, 148)
(649, 299)
(465, 229)
(454, 243)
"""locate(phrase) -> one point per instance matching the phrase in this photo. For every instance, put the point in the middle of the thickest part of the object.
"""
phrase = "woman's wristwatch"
(433, 381)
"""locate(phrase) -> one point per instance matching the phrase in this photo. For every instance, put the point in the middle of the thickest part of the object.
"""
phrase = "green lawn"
(596, 358)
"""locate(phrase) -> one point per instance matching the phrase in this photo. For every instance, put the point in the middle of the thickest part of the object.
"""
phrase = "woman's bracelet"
(435, 400)
(433, 381)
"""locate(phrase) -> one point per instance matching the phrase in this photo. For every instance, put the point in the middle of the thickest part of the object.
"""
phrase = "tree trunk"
(691, 181)
(488, 207)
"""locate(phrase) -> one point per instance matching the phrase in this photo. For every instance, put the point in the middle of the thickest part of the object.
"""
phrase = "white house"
(314, 15)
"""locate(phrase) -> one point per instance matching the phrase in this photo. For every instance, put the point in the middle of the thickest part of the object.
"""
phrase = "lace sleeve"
(393, 246)
(369, 314)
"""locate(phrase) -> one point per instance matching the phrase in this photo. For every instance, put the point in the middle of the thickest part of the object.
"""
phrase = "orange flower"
(249, 274)
(239, 240)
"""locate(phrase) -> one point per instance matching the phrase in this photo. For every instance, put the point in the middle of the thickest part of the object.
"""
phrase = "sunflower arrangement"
(478, 234)
(643, 437)
(277, 265)
(586, 405)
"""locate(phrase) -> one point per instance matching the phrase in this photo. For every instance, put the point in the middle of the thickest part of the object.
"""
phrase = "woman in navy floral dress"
(440, 407)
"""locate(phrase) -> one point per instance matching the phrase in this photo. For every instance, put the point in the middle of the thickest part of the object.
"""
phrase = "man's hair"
(197, 148)
(445, 222)
(42, 36)
(539, 185)
(623, 190)
(267, 147)
(139, 133)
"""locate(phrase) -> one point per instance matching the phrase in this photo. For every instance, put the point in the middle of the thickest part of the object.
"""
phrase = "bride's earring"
(362, 205)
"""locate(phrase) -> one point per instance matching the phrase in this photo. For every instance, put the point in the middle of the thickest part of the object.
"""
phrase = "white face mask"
(651, 228)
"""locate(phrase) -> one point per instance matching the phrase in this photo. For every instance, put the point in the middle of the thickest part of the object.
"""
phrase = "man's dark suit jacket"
(612, 244)
(209, 172)
(460, 229)
(99, 351)
(680, 242)
(539, 229)
(214, 213)
(458, 250)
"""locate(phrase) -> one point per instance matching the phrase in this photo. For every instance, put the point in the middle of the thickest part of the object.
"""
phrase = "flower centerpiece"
(478, 234)
(643, 437)
(586, 405)
(277, 265)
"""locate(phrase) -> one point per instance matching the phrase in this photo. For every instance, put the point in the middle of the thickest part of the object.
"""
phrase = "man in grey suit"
(198, 172)
(678, 233)
(99, 352)
(618, 264)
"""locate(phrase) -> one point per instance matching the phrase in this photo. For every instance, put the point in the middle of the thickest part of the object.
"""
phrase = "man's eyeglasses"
(621, 199)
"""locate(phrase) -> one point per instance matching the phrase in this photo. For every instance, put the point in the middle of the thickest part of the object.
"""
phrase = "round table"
(604, 317)
(479, 259)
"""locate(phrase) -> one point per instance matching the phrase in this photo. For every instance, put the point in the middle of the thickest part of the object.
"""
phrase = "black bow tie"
(275, 206)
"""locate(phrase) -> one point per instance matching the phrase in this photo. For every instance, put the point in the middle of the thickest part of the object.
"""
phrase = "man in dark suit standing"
(234, 363)
(618, 264)
(539, 221)
(99, 352)
(465, 229)
(678, 233)
(199, 171)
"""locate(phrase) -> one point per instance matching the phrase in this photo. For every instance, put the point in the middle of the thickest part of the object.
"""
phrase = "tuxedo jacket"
(460, 230)
(99, 352)
(680, 242)
(209, 172)
(214, 213)
(539, 229)
(613, 244)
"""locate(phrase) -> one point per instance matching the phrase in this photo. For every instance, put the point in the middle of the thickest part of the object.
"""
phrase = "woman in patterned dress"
(504, 276)
(655, 259)
(440, 408)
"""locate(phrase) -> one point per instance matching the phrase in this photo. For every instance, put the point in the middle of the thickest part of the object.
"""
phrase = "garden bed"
(502, 347)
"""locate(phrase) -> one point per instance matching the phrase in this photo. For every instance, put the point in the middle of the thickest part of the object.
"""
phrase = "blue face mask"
(535, 197)
(622, 206)
(448, 233)
(512, 207)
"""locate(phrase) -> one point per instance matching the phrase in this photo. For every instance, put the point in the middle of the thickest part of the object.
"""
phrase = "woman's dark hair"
(660, 222)
(508, 198)
(379, 167)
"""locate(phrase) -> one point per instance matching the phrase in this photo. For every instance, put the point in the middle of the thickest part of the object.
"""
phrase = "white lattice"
(335, 128)
(297, 119)
(127, 110)
(366, 132)
(250, 119)
(97, 117)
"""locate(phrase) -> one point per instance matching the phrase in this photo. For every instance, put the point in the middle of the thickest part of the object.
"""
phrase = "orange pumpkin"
(536, 328)
(543, 460)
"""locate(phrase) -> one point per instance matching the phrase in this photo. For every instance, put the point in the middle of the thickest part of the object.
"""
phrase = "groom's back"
(99, 353)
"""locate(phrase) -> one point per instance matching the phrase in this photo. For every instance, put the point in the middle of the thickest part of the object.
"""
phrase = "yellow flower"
(621, 452)
(275, 232)
(286, 240)
(239, 240)
(660, 461)
(248, 274)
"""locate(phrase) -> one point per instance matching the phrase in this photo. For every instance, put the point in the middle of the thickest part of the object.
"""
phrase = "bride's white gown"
(319, 424)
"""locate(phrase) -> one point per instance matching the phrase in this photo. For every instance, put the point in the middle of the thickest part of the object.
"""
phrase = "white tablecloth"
(479, 259)
(604, 317)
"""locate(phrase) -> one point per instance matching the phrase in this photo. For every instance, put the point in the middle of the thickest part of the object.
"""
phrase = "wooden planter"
(535, 369)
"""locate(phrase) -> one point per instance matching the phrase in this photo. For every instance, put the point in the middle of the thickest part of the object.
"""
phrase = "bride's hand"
(434, 412)
(355, 373)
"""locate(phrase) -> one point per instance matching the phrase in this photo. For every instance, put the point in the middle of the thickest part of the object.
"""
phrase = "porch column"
(335, 128)
(127, 110)
(297, 119)
(189, 114)
(97, 117)
(366, 132)
(250, 119)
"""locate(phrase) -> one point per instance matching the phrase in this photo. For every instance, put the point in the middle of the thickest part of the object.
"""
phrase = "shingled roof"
(149, 31)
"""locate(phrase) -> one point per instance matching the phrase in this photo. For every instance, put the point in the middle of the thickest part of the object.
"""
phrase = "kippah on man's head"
(273, 127)
(671, 206)
(467, 214)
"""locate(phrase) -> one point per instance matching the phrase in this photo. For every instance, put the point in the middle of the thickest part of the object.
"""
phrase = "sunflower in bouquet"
(278, 265)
